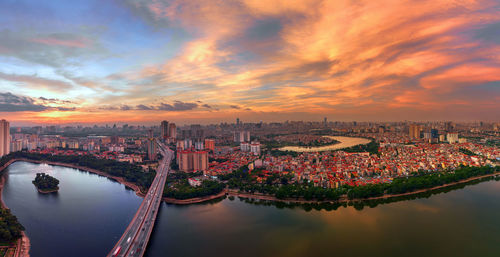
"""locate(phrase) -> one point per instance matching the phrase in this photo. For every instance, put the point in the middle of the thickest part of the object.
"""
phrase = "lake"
(344, 142)
(90, 212)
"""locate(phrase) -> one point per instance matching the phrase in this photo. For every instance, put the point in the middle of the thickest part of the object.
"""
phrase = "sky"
(198, 61)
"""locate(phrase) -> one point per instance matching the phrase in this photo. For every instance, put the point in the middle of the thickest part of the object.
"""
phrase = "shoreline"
(196, 199)
(233, 192)
(344, 199)
(23, 243)
(41, 191)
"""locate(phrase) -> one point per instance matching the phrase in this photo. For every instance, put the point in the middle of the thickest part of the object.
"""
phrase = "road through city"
(135, 238)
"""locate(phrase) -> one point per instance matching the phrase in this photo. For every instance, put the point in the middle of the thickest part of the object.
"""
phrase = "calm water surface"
(90, 212)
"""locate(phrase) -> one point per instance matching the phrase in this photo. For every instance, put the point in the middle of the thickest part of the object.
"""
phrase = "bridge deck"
(134, 240)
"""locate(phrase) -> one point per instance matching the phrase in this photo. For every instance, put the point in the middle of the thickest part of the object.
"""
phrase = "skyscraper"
(241, 136)
(151, 146)
(414, 131)
(210, 144)
(172, 130)
(190, 161)
(4, 137)
(164, 130)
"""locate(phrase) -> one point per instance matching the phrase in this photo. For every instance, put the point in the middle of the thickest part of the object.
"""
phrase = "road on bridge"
(136, 237)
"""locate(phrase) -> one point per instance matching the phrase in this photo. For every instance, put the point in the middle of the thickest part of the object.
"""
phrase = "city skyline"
(205, 62)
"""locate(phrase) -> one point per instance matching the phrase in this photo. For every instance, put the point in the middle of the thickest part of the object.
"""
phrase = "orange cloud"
(320, 57)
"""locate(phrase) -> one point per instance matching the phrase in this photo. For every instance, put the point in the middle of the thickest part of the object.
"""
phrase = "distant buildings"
(253, 147)
(414, 131)
(241, 136)
(191, 161)
(172, 131)
(452, 137)
(164, 130)
(4, 137)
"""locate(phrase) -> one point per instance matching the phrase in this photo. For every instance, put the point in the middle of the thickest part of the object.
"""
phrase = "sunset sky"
(199, 61)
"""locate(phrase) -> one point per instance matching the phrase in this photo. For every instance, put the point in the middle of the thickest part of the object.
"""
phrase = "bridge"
(134, 240)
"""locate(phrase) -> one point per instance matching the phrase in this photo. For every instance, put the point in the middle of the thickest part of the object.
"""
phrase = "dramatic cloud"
(14, 103)
(275, 59)
(177, 106)
(142, 107)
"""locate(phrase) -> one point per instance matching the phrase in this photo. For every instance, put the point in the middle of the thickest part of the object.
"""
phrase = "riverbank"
(23, 244)
(344, 199)
(195, 200)
(41, 191)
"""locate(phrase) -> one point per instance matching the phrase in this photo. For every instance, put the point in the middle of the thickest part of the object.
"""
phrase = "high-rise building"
(16, 145)
(452, 137)
(244, 147)
(255, 148)
(414, 131)
(242, 136)
(434, 133)
(191, 161)
(151, 144)
(198, 145)
(164, 129)
(172, 130)
(4, 137)
(210, 144)
(448, 126)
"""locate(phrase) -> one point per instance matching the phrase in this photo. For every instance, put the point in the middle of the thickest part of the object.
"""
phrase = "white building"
(245, 147)
(255, 148)
(452, 137)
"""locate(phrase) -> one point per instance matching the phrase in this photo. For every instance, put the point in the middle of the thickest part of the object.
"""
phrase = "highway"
(136, 237)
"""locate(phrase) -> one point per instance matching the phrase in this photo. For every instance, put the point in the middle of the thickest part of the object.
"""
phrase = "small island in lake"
(46, 183)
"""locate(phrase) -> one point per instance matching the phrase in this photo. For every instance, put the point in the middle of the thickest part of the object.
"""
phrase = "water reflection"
(90, 212)
(84, 218)
(458, 221)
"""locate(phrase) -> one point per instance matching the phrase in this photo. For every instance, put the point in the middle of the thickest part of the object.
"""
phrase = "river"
(344, 142)
(90, 212)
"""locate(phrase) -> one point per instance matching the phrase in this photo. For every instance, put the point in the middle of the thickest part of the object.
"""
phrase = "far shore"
(344, 199)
